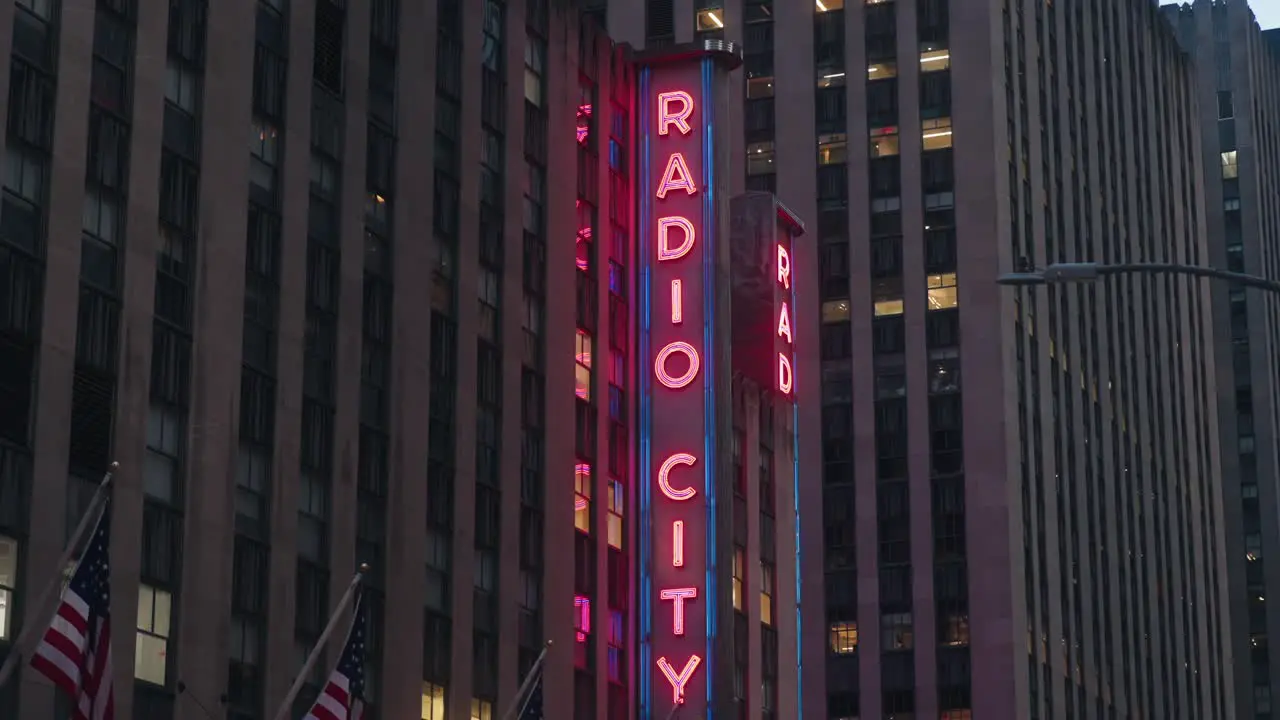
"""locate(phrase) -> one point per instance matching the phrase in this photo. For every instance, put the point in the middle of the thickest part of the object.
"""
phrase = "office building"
(1019, 486)
(324, 310)
(1238, 87)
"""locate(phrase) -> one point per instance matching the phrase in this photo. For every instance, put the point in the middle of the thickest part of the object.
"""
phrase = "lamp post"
(1062, 273)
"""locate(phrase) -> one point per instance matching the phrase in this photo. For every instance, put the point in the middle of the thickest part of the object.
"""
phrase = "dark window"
(330, 34)
(179, 192)
(31, 94)
(269, 83)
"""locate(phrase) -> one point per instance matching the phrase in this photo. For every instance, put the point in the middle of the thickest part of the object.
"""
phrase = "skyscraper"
(1019, 487)
(363, 286)
(1238, 86)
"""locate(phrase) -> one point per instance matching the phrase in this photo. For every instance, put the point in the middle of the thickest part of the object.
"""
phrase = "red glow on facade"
(676, 177)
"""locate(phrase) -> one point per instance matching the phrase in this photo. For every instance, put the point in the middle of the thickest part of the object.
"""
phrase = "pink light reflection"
(584, 123)
(582, 604)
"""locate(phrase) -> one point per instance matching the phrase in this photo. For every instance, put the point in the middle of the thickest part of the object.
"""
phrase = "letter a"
(784, 323)
(676, 177)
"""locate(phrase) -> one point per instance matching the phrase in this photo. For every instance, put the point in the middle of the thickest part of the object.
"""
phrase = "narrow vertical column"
(295, 176)
(218, 320)
(410, 367)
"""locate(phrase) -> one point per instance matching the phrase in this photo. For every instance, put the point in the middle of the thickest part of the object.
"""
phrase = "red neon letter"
(679, 595)
(679, 118)
(676, 176)
(677, 302)
(784, 267)
(665, 251)
(784, 323)
(678, 680)
(785, 377)
(675, 382)
(677, 544)
(664, 477)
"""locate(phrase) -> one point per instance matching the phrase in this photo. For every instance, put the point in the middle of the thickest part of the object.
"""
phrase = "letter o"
(660, 365)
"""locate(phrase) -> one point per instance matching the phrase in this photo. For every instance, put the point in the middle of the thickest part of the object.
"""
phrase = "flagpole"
(91, 513)
(518, 704)
(320, 643)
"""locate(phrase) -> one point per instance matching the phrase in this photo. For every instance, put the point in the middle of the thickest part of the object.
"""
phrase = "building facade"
(1238, 76)
(1019, 487)
(362, 341)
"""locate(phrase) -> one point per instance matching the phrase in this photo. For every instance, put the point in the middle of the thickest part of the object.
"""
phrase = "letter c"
(664, 477)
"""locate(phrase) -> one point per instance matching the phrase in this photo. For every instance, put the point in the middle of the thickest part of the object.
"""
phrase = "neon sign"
(678, 400)
(786, 376)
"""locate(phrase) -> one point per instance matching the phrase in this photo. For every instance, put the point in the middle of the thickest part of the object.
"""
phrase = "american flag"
(76, 650)
(343, 695)
(533, 706)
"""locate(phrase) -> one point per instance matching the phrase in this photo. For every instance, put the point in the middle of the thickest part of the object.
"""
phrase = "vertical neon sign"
(677, 362)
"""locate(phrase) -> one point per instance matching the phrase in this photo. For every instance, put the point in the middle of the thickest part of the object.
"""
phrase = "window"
(101, 216)
(843, 638)
(955, 630)
(884, 142)
(710, 20)
(164, 438)
(829, 5)
(582, 497)
(936, 134)
(739, 577)
(896, 631)
(180, 86)
(616, 497)
(942, 291)
(887, 296)
(1230, 165)
(251, 489)
(481, 709)
(835, 311)
(8, 582)
(42, 9)
(433, 706)
(582, 366)
(833, 149)
(150, 659)
(760, 87)
(313, 512)
(535, 61)
(760, 158)
(829, 78)
(439, 556)
(934, 60)
(766, 592)
(882, 70)
(24, 174)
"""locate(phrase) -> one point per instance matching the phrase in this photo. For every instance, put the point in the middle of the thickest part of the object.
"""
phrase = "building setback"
(1019, 487)
(364, 338)
(1238, 87)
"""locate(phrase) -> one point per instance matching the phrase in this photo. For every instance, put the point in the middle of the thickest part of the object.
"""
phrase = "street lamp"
(1060, 273)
